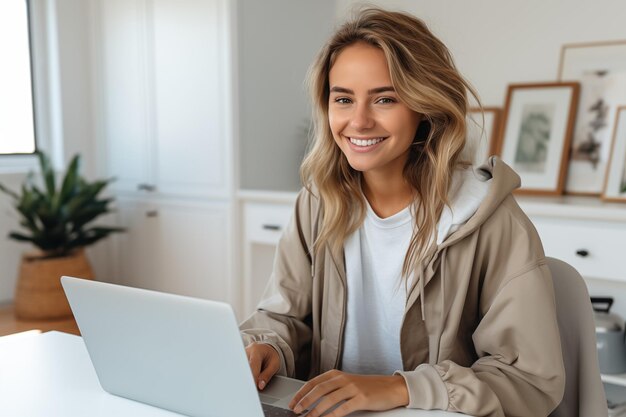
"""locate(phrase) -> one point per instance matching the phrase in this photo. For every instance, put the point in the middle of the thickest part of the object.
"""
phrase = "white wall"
(73, 31)
(496, 42)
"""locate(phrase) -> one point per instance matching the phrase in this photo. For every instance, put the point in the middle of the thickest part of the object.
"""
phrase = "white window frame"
(44, 79)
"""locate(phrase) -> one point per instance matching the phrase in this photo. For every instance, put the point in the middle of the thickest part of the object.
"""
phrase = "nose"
(361, 118)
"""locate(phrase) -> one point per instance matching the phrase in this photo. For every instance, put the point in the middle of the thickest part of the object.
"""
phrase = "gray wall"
(278, 40)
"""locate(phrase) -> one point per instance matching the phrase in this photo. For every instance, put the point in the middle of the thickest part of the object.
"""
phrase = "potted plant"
(58, 221)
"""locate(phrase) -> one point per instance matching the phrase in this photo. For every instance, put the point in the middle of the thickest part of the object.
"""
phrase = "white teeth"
(366, 142)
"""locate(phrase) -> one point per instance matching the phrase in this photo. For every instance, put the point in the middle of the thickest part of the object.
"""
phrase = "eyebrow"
(376, 90)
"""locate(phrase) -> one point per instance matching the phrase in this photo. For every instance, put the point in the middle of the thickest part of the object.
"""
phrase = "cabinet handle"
(271, 227)
(152, 213)
(583, 253)
(146, 187)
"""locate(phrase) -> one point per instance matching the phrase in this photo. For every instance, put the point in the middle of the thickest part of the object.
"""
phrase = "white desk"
(50, 375)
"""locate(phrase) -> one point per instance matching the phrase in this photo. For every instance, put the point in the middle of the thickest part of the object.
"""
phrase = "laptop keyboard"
(271, 411)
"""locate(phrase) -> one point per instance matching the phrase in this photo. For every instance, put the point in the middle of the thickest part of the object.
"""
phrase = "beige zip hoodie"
(479, 333)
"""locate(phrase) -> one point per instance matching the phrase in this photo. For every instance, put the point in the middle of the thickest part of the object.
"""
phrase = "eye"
(343, 100)
(386, 100)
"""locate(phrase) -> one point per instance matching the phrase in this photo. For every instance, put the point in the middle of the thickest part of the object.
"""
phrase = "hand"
(359, 392)
(264, 362)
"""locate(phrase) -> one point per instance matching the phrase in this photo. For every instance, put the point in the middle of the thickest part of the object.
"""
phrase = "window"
(17, 126)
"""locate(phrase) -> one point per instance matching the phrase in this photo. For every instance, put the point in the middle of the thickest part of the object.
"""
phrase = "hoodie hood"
(467, 192)
(474, 196)
(484, 189)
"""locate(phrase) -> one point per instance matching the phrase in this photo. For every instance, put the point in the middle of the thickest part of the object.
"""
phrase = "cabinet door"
(135, 255)
(163, 71)
(121, 88)
(177, 247)
(190, 97)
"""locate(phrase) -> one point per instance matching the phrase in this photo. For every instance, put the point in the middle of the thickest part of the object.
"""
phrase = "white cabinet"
(584, 232)
(265, 222)
(162, 77)
(595, 249)
(175, 247)
(164, 95)
(264, 216)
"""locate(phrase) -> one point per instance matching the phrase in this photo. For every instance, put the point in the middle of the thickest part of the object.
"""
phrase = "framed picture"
(615, 184)
(482, 137)
(600, 67)
(536, 134)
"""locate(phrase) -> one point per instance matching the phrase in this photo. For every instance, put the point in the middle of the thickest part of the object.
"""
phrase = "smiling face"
(369, 123)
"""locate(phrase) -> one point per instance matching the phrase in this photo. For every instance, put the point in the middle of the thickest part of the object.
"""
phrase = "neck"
(387, 192)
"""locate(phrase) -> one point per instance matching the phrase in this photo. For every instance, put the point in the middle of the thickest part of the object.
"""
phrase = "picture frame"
(483, 137)
(536, 133)
(600, 67)
(615, 183)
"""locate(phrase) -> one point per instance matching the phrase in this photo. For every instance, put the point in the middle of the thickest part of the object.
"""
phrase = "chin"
(360, 166)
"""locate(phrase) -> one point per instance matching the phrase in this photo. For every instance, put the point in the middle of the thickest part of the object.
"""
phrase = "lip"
(363, 149)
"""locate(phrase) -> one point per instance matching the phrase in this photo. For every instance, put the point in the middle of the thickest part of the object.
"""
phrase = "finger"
(330, 401)
(255, 363)
(318, 392)
(271, 365)
(312, 384)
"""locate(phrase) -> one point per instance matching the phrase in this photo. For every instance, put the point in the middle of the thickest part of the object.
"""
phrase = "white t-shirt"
(376, 293)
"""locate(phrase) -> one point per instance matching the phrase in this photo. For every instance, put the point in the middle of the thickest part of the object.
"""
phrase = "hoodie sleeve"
(282, 318)
(520, 366)
(519, 370)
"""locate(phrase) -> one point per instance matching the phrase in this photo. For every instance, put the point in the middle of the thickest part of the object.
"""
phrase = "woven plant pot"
(39, 294)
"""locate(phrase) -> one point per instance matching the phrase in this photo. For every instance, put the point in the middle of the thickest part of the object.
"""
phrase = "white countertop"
(568, 207)
(50, 375)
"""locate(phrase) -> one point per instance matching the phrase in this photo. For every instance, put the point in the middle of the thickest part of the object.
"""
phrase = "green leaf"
(42, 199)
(20, 237)
(9, 192)
(88, 216)
(109, 229)
(47, 172)
(86, 195)
(70, 182)
(29, 224)
(88, 238)
(47, 217)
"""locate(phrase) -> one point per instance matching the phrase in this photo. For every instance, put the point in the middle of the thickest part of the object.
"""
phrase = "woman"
(405, 277)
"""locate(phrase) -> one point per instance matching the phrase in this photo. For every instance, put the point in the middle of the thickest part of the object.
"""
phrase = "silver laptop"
(178, 353)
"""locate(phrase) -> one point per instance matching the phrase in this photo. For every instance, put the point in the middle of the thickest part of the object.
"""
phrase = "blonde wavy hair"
(426, 80)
